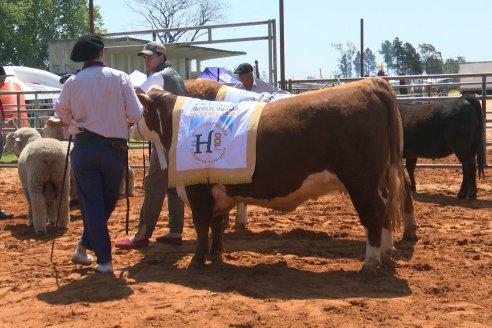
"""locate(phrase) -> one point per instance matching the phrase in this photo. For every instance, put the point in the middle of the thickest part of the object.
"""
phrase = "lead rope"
(127, 189)
(61, 194)
(143, 156)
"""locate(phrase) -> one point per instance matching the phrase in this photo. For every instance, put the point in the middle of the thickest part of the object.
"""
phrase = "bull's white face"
(140, 132)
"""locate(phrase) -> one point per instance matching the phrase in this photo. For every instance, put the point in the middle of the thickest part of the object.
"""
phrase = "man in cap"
(244, 73)
(156, 182)
(3, 76)
(96, 105)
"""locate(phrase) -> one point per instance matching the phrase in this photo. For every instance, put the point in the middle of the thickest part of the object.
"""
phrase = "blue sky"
(455, 28)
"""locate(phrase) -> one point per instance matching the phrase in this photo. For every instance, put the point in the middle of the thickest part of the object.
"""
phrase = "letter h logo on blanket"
(208, 143)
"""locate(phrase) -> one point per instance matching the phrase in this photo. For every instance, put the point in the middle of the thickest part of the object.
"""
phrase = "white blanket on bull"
(235, 95)
(213, 142)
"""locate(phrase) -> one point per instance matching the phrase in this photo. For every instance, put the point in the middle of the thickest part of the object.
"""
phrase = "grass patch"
(8, 159)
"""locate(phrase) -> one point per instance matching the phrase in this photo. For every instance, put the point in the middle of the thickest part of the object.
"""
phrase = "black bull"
(343, 138)
(439, 129)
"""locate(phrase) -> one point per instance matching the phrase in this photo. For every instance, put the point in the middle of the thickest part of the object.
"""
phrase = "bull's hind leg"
(371, 207)
(409, 222)
(242, 215)
(468, 187)
(411, 163)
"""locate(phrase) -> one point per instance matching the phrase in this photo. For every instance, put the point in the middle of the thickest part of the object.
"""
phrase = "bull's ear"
(145, 100)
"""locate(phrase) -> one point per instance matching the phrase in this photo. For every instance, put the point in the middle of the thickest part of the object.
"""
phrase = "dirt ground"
(299, 269)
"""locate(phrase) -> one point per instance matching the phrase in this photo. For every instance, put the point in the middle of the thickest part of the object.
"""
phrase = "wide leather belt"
(88, 137)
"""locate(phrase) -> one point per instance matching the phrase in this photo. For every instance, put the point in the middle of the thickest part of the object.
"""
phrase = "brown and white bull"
(345, 138)
(208, 90)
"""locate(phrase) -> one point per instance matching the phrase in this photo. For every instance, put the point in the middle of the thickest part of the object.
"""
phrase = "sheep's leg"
(64, 215)
(39, 213)
(51, 211)
(29, 211)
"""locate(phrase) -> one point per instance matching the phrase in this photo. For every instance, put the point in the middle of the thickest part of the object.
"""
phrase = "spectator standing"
(248, 82)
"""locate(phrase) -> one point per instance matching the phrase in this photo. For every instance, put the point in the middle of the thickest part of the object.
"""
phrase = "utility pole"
(91, 16)
(282, 50)
(362, 47)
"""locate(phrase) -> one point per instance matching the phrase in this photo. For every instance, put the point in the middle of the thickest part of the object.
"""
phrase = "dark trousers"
(98, 171)
(155, 186)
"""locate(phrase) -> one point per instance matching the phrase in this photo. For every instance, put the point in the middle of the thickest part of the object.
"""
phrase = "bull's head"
(156, 123)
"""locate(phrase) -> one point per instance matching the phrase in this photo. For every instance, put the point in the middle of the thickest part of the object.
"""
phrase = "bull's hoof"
(372, 265)
(472, 196)
(462, 195)
(41, 232)
(387, 256)
(216, 257)
(197, 263)
(240, 226)
(410, 235)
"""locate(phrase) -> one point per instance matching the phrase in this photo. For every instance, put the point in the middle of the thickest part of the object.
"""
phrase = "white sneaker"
(82, 259)
(104, 268)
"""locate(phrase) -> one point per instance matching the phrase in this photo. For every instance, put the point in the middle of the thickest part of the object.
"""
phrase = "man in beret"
(3, 76)
(96, 105)
(248, 82)
(156, 182)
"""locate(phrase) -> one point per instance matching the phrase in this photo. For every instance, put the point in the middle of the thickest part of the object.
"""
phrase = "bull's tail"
(480, 136)
(395, 174)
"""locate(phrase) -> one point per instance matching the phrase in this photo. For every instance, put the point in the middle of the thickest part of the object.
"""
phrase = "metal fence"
(410, 88)
(419, 88)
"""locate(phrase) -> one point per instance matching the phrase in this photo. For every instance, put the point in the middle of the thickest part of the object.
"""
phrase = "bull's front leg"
(217, 247)
(201, 203)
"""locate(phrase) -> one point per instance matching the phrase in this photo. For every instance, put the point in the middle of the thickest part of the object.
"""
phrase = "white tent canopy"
(33, 79)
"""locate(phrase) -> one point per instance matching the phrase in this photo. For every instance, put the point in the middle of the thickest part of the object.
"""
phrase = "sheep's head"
(11, 123)
(9, 143)
(53, 128)
(22, 137)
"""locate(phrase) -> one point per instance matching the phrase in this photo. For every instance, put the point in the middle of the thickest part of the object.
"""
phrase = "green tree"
(387, 52)
(401, 58)
(26, 26)
(431, 59)
(411, 63)
(369, 62)
(452, 66)
(347, 55)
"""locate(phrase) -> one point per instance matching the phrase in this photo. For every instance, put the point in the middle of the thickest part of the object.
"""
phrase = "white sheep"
(53, 128)
(41, 165)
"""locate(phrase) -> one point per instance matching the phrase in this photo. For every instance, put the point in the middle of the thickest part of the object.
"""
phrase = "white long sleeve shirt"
(99, 99)
(260, 86)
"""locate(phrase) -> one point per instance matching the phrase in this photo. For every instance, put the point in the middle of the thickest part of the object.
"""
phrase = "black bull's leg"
(201, 203)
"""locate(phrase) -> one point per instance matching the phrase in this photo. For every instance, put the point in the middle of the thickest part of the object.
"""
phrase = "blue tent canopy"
(218, 74)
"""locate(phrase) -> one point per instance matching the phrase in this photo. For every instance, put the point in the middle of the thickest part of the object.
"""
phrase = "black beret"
(2, 72)
(243, 68)
(87, 48)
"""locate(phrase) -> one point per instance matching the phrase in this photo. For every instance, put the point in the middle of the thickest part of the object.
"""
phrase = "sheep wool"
(41, 165)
